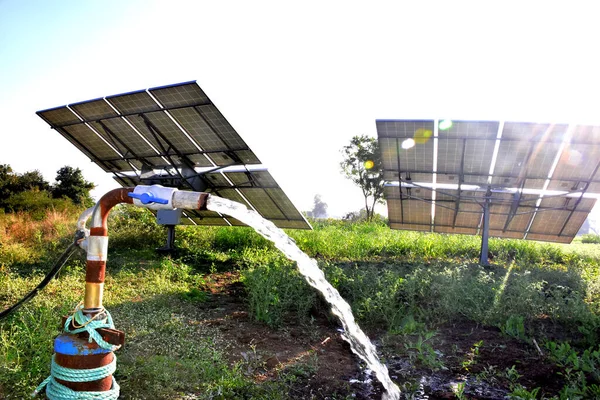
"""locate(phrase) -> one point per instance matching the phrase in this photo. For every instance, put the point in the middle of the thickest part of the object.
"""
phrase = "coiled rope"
(83, 323)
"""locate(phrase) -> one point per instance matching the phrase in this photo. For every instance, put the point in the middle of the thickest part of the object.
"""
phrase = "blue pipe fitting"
(71, 345)
(148, 198)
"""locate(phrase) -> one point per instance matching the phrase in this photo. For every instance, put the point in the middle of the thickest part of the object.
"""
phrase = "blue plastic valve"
(147, 198)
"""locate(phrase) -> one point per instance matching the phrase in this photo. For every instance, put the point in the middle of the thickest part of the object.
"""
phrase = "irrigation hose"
(55, 270)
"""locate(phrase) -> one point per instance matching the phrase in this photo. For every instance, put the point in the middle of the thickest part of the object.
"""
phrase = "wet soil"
(320, 365)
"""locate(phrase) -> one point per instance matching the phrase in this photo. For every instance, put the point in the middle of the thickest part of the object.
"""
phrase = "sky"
(297, 80)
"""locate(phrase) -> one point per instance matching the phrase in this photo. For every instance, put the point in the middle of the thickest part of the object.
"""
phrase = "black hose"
(57, 267)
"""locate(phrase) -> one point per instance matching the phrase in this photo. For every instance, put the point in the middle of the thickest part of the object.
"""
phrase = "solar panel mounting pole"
(485, 229)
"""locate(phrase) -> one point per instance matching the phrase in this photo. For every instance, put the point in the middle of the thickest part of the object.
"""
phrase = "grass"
(403, 283)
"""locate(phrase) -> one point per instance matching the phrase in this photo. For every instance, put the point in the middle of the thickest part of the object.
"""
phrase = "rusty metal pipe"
(97, 248)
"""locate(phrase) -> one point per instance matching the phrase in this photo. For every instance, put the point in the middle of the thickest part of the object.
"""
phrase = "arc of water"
(308, 267)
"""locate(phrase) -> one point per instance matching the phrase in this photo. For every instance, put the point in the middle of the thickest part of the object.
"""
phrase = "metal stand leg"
(485, 231)
(170, 246)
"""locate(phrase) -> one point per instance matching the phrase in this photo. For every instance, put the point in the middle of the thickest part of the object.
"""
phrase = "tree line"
(29, 191)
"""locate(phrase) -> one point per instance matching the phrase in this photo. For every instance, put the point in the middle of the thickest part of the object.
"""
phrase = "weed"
(472, 356)
(514, 327)
(512, 375)
(459, 390)
(195, 295)
(422, 351)
(521, 393)
(275, 290)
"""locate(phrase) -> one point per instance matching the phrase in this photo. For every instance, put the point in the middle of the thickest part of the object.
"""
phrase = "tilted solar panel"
(537, 180)
(175, 136)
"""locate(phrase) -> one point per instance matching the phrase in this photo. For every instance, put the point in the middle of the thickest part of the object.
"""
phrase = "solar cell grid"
(455, 230)
(91, 141)
(574, 223)
(416, 212)
(549, 238)
(220, 125)
(59, 116)
(443, 216)
(506, 234)
(260, 178)
(530, 131)
(418, 158)
(449, 156)
(389, 153)
(541, 160)
(261, 201)
(594, 187)
(468, 219)
(126, 135)
(167, 131)
(478, 156)
(471, 129)
(403, 129)
(586, 134)
(95, 109)
(497, 221)
(135, 102)
(191, 121)
(567, 186)
(284, 204)
(577, 161)
(520, 221)
(511, 158)
(232, 194)
(180, 95)
(549, 223)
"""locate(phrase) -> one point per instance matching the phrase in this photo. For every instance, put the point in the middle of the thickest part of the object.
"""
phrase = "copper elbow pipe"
(98, 247)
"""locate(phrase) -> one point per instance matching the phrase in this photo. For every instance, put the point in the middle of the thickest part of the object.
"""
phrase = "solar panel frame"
(526, 153)
(160, 132)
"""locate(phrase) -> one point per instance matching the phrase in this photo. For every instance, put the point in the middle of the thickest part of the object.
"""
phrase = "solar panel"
(175, 136)
(539, 181)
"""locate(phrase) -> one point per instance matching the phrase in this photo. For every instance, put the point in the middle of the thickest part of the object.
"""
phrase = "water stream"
(359, 342)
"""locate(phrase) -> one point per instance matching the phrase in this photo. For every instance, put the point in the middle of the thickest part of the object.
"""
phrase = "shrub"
(134, 227)
(590, 238)
(276, 289)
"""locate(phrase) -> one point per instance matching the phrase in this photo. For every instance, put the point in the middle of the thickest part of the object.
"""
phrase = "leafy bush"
(590, 238)
(276, 289)
(37, 203)
(134, 227)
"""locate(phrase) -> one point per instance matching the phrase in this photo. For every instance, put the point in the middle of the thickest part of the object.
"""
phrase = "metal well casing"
(74, 352)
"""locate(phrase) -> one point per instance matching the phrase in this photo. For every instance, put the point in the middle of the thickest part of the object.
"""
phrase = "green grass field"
(405, 288)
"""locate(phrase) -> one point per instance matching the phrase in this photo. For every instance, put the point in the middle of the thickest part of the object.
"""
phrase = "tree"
(362, 165)
(319, 208)
(32, 180)
(7, 182)
(70, 183)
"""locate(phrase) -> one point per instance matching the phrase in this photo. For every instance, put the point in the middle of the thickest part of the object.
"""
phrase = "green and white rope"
(57, 391)
(82, 375)
(90, 325)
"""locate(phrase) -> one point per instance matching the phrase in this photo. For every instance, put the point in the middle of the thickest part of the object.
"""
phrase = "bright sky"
(296, 79)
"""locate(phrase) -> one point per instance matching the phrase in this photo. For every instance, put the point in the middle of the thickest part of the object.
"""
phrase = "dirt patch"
(316, 358)
(322, 366)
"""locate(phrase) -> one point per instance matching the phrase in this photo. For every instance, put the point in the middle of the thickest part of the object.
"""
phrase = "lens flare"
(369, 164)
(445, 124)
(408, 143)
(422, 135)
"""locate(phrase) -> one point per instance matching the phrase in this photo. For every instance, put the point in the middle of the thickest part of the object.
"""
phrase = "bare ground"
(324, 367)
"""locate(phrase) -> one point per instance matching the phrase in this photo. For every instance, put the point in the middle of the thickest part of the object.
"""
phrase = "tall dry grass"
(25, 239)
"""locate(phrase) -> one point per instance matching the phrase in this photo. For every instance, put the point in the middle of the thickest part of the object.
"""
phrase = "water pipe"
(96, 246)
(84, 360)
